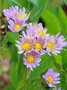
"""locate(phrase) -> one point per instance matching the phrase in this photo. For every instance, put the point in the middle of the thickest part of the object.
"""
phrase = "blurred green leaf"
(36, 11)
(52, 22)
(64, 81)
(11, 37)
(63, 20)
(65, 2)
(36, 2)
(15, 2)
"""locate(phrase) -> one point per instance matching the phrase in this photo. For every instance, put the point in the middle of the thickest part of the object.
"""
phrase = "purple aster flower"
(60, 41)
(51, 46)
(22, 15)
(40, 31)
(15, 26)
(37, 30)
(39, 45)
(31, 59)
(11, 12)
(30, 30)
(28, 34)
(51, 77)
(31, 26)
(16, 14)
(24, 44)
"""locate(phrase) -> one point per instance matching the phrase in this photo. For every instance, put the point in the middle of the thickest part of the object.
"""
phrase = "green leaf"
(11, 36)
(15, 2)
(65, 2)
(3, 5)
(36, 11)
(64, 81)
(51, 21)
(5, 52)
(36, 2)
(63, 20)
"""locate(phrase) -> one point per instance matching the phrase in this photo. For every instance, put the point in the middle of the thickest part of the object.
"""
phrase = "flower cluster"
(35, 41)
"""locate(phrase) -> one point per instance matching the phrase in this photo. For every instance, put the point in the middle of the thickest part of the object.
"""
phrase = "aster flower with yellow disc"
(22, 15)
(60, 41)
(37, 30)
(40, 31)
(31, 59)
(51, 77)
(51, 46)
(16, 26)
(39, 45)
(28, 34)
(11, 12)
(15, 13)
(24, 45)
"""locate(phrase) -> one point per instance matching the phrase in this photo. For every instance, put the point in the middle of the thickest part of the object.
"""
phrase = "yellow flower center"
(38, 46)
(26, 46)
(17, 27)
(42, 33)
(50, 79)
(30, 36)
(50, 45)
(19, 16)
(24, 14)
(30, 58)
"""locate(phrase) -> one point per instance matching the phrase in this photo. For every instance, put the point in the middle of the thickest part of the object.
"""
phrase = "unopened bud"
(2, 27)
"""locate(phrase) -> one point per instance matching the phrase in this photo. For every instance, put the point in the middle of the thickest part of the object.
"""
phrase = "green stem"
(60, 69)
(55, 63)
(25, 79)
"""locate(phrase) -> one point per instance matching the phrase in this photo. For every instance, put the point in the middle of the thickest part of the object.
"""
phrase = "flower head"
(51, 46)
(24, 44)
(40, 31)
(31, 59)
(15, 13)
(22, 15)
(51, 77)
(37, 30)
(60, 41)
(15, 26)
(39, 45)
(11, 12)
